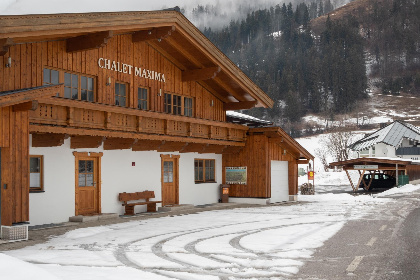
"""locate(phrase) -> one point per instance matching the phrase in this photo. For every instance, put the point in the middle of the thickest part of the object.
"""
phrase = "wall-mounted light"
(212, 103)
(108, 81)
(160, 92)
(9, 62)
(284, 152)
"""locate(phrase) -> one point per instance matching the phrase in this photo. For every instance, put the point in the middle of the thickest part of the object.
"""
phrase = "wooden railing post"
(70, 116)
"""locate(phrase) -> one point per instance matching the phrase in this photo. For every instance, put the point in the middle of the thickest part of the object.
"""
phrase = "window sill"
(207, 182)
(36, 191)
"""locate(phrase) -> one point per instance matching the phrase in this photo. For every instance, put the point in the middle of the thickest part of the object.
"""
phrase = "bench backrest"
(136, 196)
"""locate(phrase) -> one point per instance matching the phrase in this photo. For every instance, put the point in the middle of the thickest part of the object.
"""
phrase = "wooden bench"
(146, 195)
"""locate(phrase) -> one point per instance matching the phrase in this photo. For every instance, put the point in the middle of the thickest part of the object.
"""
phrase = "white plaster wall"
(380, 150)
(57, 203)
(198, 194)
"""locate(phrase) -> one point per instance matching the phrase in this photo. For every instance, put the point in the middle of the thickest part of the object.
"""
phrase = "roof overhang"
(279, 136)
(169, 32)
(28, 95)
(382, 163)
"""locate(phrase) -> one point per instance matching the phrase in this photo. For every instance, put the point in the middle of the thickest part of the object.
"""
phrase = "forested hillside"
(323, 71)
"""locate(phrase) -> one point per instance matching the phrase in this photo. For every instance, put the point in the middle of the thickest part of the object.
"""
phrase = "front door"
(88, 183)
(170, 185)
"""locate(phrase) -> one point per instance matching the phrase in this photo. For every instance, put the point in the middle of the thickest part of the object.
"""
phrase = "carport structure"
(389, 166)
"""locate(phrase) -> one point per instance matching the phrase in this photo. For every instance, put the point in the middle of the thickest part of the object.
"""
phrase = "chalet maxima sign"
(130, 69)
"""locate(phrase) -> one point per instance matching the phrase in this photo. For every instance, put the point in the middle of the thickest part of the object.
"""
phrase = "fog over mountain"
(220, 12)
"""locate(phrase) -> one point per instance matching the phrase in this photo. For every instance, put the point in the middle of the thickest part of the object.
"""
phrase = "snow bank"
(401, 190)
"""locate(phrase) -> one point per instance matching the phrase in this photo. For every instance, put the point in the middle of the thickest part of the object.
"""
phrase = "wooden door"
(170, 180)
(88, 184)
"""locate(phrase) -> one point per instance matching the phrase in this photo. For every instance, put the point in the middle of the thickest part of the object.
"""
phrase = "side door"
(170, 181)
(88, 184)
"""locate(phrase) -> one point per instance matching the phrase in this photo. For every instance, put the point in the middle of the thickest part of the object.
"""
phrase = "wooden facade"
(14, 158)
(143, 81)
(262, 146)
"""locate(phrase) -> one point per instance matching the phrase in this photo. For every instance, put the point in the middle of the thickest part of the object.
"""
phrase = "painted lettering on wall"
(130, 69)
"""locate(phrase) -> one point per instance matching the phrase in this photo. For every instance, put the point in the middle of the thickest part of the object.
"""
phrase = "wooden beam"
(229, 89)
(169, 146)
(88, 42)
(351, 182)
(27, 106)
(185, 52)
(200, 74)
(194, 148)
(5, 44)
(302, 161)
(153, 34)
(147, 145)
(48, 139)
(214, 149)
(25, 95)
(232, 150)
(118, 143)
(79, 142)
(231, 106)
(360, 180)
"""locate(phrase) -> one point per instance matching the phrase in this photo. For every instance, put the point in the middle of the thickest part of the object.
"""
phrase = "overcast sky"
(18, 7)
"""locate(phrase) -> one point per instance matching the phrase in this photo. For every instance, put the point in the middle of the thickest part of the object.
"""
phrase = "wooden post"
(396, 175)
(360, 179)
(351, 182)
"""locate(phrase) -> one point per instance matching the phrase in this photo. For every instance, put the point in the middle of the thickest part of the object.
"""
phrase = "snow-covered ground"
(263, 242)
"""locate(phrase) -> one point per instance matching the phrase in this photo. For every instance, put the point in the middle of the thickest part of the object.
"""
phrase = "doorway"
(88, 183)
(170, 179)
(279, 181)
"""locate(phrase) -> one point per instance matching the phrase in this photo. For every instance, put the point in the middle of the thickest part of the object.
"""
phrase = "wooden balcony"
(71, 117)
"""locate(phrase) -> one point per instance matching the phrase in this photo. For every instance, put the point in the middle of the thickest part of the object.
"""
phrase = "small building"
(398, 139)
(96, 104)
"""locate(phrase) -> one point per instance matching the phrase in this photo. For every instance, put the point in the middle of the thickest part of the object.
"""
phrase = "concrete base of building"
(250, 200)
(176, 208)
(293, 197)
(83, 219)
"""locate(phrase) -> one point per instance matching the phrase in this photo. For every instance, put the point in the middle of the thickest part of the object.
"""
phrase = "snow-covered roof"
(248, 120)
(391, 134)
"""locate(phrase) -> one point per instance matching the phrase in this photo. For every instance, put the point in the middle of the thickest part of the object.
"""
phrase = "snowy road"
(245, 243)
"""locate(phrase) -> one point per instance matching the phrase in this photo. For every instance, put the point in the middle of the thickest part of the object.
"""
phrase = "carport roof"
(381, 162)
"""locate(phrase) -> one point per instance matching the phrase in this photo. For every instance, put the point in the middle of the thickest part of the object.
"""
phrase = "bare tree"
(322, 154)
(336, 143)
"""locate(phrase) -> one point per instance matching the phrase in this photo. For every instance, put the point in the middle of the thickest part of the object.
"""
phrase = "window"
(120, 94)
(178, 105)
(142, 94)
(71, 86)
(188, 107)
(364, 153)
(51, 77)
(86, 88)
(36, 173)
(76, 86)
(204, 170)
(86, 173)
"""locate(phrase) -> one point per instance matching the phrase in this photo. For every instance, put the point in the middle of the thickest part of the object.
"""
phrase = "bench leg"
(151, 207)
(129, 210)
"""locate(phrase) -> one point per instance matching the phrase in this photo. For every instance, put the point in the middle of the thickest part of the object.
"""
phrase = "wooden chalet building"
(97, 104)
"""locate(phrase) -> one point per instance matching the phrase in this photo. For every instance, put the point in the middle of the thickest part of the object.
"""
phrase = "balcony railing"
(86, 115)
